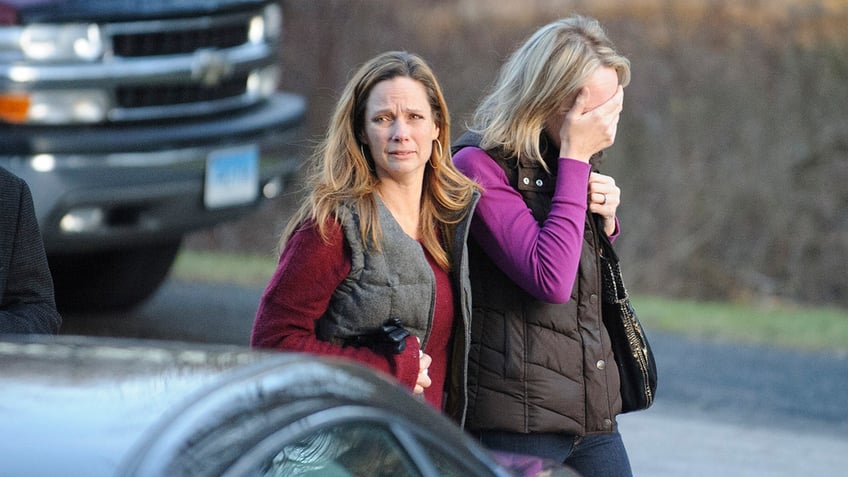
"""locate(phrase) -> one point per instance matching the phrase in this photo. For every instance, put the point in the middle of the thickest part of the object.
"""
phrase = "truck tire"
(111, 280)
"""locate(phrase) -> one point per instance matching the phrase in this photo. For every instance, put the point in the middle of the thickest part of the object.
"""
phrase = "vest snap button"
(601, 364)
(539, 182)
(526, 180)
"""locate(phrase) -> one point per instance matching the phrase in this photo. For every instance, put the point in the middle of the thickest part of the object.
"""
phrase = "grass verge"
(218, 267)
(776, 324)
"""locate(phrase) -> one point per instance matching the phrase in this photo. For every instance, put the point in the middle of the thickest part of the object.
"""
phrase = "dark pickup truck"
(136, 122)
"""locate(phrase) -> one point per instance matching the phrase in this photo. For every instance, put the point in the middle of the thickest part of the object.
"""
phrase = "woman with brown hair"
(371, 264)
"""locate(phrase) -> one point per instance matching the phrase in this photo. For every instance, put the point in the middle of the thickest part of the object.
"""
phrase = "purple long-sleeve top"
(543, 260)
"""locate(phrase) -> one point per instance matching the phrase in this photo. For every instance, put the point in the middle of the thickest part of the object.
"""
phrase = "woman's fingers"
(424, 380)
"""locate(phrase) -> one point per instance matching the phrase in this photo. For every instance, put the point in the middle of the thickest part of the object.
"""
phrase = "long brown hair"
(342, 172)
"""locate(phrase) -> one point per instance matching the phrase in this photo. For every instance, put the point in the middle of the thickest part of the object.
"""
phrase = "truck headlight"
(268, 26)
(262, 83)
(55, 107)
(73, 42)
(82, 219)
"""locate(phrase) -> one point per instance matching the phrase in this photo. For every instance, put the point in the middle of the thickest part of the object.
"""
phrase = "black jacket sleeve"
(27, 303)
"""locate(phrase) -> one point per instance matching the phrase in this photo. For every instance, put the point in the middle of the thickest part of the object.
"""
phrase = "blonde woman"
(542, 376)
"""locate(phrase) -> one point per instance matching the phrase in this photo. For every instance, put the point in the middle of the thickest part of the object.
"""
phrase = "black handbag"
(633, 356)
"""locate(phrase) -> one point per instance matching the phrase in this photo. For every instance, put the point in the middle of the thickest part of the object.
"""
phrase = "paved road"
(722, 409)
(731, 410)
(201, 312)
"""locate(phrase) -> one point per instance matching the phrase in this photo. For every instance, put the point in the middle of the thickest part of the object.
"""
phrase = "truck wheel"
(112, 280)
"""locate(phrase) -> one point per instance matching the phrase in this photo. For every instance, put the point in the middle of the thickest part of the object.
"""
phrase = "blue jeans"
(600, 455)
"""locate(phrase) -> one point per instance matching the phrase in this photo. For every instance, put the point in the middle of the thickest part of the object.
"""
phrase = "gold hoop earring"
(433, 164)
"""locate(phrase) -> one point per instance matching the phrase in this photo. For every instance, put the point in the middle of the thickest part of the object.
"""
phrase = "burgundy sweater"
(299, 292)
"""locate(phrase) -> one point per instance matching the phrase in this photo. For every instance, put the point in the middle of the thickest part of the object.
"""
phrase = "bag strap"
(613, 283)
(606, 246)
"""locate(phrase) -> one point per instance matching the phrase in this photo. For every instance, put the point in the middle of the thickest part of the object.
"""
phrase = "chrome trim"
(165, 158)
(137, 70)
(159, 25)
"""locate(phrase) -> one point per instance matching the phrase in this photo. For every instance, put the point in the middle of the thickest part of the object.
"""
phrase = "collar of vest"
(531, 176)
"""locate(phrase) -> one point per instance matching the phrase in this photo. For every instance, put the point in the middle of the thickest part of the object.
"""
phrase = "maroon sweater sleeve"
(298, 294)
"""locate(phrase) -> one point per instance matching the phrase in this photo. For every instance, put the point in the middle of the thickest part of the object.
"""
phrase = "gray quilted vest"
(396, 282)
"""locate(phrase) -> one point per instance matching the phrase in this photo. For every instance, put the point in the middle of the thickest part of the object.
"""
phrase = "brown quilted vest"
(537, 366)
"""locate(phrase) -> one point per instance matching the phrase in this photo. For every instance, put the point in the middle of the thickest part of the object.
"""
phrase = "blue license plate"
(232, 177)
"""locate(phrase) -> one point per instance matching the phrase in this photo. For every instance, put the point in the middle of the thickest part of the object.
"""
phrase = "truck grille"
(195, 66)
(179, 42)
(163, 95)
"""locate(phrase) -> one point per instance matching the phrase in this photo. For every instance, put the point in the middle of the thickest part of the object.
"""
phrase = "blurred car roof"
(107, 406)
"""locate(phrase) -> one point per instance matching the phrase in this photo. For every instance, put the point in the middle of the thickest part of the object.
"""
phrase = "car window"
(344, 450)
(446, 464)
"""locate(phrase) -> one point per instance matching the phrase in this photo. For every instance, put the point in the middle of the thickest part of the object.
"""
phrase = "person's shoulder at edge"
(33, 308)
(9, 179)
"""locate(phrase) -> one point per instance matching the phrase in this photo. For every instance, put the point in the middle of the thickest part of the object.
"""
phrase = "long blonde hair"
(343, 174)
(544, 73)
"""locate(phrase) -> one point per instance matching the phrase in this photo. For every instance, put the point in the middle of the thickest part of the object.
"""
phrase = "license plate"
(232, 177)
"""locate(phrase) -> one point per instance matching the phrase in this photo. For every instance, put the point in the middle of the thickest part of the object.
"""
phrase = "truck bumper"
(123, 186)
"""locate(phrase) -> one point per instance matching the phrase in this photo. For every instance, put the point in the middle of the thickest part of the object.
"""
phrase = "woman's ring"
(605, 199)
